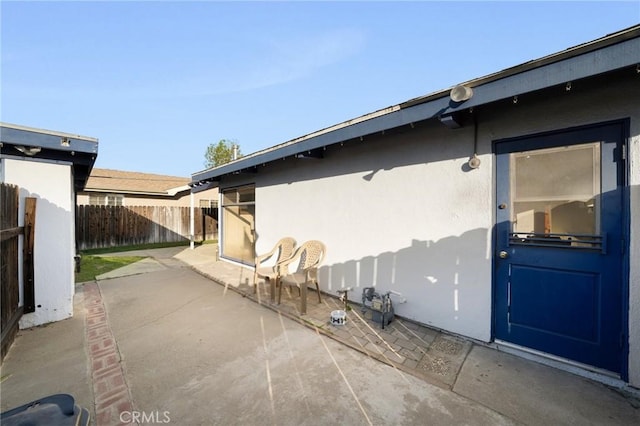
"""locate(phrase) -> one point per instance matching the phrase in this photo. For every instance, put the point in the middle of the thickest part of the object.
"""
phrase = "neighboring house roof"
(610, 53)
(123, 182)
(30, 143)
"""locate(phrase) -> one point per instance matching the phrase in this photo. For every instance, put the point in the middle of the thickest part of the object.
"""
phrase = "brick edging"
(111, 392)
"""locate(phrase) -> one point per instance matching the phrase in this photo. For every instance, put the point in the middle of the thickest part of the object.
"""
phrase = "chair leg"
(272, 289)
(279, 289)
(255, 282)
(318, 289)
(303, 298)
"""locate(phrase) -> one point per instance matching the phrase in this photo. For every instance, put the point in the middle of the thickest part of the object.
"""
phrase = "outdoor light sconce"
(461, 93)
(30, 152)
(474, 161)
(314, 154)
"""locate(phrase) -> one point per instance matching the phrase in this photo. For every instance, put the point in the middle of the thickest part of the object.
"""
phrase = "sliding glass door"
(238, 224)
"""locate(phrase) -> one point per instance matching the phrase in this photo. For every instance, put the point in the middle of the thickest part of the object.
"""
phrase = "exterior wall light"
(30, 152)
(461, 93)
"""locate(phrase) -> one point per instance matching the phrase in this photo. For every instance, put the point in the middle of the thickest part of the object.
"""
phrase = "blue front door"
(560, 244)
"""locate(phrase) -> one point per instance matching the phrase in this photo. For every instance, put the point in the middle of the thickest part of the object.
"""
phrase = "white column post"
(192, 227)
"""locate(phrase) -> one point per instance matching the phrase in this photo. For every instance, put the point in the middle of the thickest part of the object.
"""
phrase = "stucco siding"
(403, 211)
(406, 218)
(52, 185)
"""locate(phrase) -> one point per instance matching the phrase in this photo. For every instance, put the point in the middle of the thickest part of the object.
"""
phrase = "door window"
(555, 196)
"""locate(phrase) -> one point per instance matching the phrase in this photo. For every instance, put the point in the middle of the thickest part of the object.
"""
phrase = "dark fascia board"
(599, 44)
(587, 60)
(80, 151)
(20, 135)
(204, 186)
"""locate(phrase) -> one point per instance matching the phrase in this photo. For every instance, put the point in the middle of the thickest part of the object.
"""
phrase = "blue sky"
(157, 82)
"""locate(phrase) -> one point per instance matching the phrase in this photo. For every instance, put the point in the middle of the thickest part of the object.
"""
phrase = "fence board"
(10, 311)
(113, 226)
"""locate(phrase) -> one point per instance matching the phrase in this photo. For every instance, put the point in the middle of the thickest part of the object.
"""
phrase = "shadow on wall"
(426, 142)
(446, 283)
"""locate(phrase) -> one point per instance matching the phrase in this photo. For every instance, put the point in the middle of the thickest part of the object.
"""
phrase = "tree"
(221, 153)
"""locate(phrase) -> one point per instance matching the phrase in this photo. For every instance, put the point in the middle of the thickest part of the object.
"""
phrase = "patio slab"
(454, 363)
(204, 353)
(46, 360)
(525, 390)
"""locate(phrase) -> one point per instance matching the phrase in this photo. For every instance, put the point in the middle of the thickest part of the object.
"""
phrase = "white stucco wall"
(403, 213)
(52, 185)
(408, 217)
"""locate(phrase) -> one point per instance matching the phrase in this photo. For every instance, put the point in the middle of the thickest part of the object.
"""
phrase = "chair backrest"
(285, 247)
(311, 254)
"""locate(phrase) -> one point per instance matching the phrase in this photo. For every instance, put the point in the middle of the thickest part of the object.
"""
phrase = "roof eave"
(166, 194)
(604, 55)
(46, 139)
(29, 143)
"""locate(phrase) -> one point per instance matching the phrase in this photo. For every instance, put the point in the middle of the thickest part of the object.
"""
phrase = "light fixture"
(474, 162)
(313, 154)
(30, 152)
(461, 93)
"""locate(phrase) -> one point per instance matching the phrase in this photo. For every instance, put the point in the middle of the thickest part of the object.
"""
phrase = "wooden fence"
(113, 226)
(10, 309)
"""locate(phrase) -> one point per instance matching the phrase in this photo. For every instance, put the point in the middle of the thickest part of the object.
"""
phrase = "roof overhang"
(37, 144)
(171, 193)
(610, 53)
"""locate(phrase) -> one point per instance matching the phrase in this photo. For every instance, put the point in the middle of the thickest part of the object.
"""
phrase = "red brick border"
(110, 389)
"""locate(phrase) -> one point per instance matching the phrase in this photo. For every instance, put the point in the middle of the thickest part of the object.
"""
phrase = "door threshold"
(584, 370)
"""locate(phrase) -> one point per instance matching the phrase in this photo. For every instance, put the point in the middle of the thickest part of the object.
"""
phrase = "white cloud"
(257, 64)
(291, 59)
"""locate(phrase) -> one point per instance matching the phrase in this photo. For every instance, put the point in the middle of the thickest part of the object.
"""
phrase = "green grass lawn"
(90, 266)
(120, 249)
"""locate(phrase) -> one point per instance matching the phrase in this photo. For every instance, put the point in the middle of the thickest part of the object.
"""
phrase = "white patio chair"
(283, 250)
(307, 258)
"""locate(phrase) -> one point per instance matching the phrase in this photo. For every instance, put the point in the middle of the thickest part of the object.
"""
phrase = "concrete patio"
(159, 339)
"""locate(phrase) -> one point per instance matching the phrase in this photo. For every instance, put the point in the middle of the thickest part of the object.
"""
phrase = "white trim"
(192, 222)
(173, 191)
